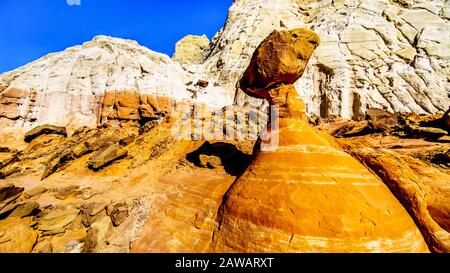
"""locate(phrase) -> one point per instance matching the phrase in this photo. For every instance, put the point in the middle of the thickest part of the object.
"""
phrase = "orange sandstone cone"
(306, 196)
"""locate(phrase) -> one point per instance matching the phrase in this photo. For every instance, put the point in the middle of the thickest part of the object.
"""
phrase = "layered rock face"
(422, 189)
(411, 161)
(304, 195)
(384, 54)
(374, 54)
(68, 87)
(73, 88)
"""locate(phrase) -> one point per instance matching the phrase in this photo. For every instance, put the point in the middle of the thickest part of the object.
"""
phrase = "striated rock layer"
(422, 189)
(307, 196)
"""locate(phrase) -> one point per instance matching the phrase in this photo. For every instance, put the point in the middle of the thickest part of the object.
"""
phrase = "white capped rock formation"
(391, 54)
(67, 88)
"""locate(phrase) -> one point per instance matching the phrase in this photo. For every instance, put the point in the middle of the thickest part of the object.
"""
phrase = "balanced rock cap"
(280, 59)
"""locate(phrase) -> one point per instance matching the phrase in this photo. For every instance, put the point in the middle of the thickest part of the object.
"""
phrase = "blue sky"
(33, 28)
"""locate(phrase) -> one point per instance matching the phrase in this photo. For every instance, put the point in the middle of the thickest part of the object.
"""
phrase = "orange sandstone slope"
(307, 196)
(304, 195)
(422, 189)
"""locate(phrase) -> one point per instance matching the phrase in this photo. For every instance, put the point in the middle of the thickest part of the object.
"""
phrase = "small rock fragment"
(25, 210)
(58, 218)
(107, 156)
(119, 213)
(211, 162)
(427, 132)
(8, 194)
(98, 235)
(44, 130)
(36, 191)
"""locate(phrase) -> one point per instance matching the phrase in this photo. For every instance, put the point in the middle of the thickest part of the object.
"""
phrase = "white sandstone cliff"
(391, 54)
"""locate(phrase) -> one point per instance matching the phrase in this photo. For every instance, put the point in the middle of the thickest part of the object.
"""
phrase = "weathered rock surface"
(43, 247)
(98, 235)
(35, 191)
(374, 54)
(25, 209)
(67, 88)
(415, 169)
(126, 105)
(328, 203)
(210, 161)
(16, 236)
(428, 132)
(381, 120)
(119, 213)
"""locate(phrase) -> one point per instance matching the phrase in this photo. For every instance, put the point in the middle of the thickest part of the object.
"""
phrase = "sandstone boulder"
(107, 156)
(446, 120)
(44, 130)
(81, 131)
(211, 162)
(57, 219)
(70, 242)
(16, 236)
(8, 194)
(381, 120)
(43, 247)
(281, 58)
(35, 191)
(422, 189)
(25, 209)
(426, 132)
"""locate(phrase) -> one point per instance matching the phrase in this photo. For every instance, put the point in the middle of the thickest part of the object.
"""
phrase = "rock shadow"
(233, 160)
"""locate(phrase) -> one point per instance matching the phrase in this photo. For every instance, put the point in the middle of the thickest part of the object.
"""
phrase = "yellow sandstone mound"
(305, 195)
